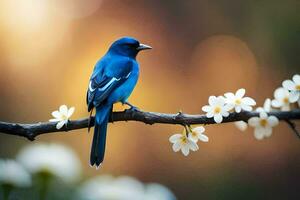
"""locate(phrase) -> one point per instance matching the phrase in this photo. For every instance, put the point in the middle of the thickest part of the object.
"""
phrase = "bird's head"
(127, 46)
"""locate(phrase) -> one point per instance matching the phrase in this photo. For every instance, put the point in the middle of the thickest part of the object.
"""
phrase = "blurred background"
(200, 48)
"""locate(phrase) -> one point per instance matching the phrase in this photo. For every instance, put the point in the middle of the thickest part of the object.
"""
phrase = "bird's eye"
(132, 45)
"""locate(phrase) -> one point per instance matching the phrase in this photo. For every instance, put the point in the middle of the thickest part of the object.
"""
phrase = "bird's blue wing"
(107, 77)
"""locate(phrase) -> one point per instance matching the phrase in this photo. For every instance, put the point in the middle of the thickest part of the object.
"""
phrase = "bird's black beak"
(143, 47)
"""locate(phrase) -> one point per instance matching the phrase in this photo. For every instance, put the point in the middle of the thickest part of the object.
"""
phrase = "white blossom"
(184, 143)
(216, 108)
(122, 188)
(14, 174)
(283, 98)
(54, 159)
(62, 116)
(238, 102)
(197, 134)
(294, 87)
(263, 125)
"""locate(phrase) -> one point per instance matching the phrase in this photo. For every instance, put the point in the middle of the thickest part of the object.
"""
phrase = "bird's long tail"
(99, 139)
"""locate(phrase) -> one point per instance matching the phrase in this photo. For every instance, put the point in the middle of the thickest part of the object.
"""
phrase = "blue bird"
(114, 78)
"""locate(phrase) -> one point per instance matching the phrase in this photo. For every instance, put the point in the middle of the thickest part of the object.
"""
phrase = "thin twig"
(30, 131)
(293, 127)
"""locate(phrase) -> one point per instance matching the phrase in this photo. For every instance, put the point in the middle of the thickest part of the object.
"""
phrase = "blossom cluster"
(285, 98)
(187, 140)
(220, 107)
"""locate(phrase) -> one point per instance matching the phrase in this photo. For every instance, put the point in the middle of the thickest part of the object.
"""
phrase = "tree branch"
(293, 127)
(30, 131)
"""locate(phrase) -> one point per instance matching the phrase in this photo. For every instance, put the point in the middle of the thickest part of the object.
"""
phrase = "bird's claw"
(132, 107)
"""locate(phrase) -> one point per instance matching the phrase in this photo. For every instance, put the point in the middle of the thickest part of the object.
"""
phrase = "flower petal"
(70, 112)
(220, 101)
(54, 120)
(193, 138)
(229, 97)
(63, 109)
(267, 105)
(199, 129)
(185, 150)
(207, 108)
(176, 146)
(273, 121)
(241, 125)
(56, 114)
(268, 131)
(259, 133)
(289, 85)
(174, 138)
(263, 115)
(260, 109)
(296, 79)
(280, 93)
(212, 100)
(249, 101)
(246, 107)
(218, 118)
(276, 103)
(238, 109)
(225, 113)
(193, 146)
(60, 124)
(203, 138)
(240, 93)
(294, 96)
(209, 114)
(228, 107)
(253, 121)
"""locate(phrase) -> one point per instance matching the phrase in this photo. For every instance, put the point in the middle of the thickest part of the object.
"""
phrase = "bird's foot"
(132, 107)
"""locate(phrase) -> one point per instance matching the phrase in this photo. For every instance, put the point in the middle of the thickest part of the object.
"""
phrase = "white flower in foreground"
(53, 159)
(216, 108)
(14, 174)
(62, 116)
(197, 134)
(183, 143)
(283, 98)
(241, 125)
(263, 125)
(122, 188)
(238, 102)
(294, 86)
(109, 188)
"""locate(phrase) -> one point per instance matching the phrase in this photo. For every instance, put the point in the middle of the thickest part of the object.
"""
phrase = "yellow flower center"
(238, 101)
(194, 134)
(64, 117)
(183, 140)
(263, 122)
(286, 100)
(297, 87)
(217, 109)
